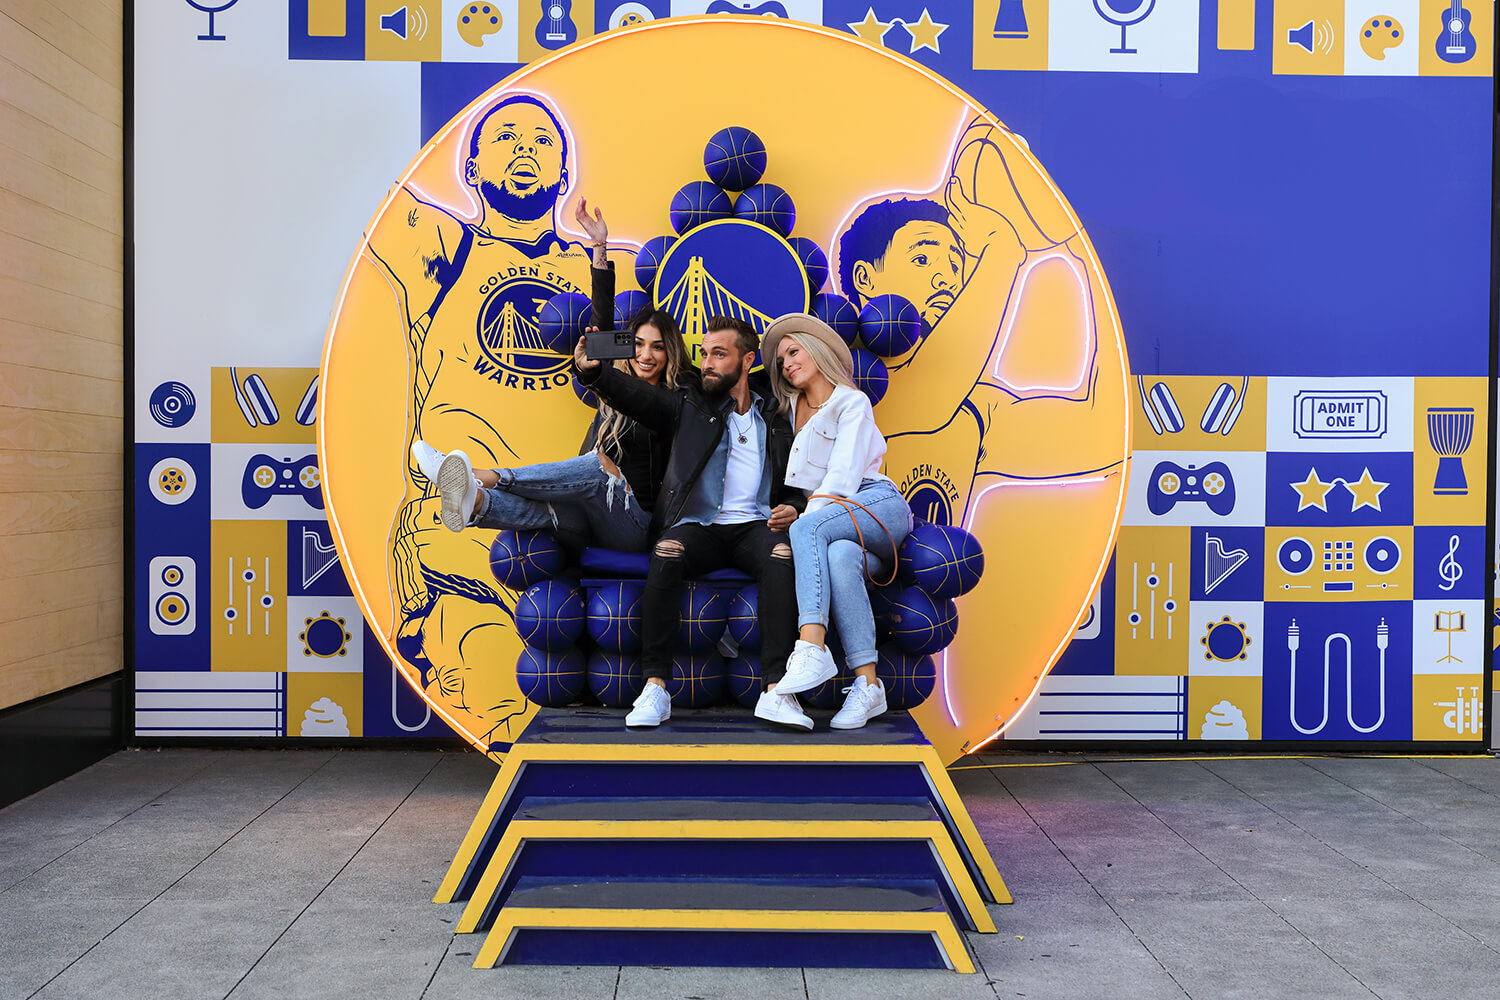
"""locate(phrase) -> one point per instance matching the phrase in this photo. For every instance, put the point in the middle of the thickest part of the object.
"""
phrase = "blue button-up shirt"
(707, 498)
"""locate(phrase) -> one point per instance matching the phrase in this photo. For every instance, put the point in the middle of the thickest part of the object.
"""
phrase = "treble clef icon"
(1449, 569)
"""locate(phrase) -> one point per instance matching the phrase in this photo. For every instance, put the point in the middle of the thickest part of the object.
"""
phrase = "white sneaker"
(865, 701)
(806, 668)
(652, 708)
(458, 488)
(427, 458)
(784, 709)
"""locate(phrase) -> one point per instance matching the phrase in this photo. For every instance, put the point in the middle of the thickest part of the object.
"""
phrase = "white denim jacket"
(837, 449)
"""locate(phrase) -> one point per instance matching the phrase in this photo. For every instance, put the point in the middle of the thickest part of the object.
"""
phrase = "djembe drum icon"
(1450, 429)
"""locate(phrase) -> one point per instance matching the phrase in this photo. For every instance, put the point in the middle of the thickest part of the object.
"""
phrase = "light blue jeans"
(575, 499)
(830, 564)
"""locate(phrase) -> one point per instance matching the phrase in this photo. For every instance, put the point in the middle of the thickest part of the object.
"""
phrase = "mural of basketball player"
(471, 291)
(1005, 367)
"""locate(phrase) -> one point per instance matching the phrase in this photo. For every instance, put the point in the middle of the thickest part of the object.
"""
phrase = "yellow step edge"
(922, 755)
(930, 831)
(950, 941)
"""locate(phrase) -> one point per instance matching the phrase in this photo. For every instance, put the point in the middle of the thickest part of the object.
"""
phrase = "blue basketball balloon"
(814, 262)
(870, 374)
(829, 694)
(880, 606)
(584, 393)
(698, 679)
(561, 320)
(614, 616)
(615, 678)
(744, 620)
(743, 677)
(520, 558)
(943, 560)
(768, 205)
(549, 615)
(696, 203)
(628, 305)
(839, 313)
(909, 678)
(653, 252)
(551, 679)
(889, 325)
(921, 623)
(702, 617)
(734, 158)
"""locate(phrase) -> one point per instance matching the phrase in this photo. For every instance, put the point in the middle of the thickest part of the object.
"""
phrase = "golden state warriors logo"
(510, 336)
(1007, 415)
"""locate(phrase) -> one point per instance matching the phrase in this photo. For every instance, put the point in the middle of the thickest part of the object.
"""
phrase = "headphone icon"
(1219, 416)
(258, 407)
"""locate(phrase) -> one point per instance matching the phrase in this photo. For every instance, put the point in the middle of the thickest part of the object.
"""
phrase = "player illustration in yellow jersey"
(471, 293)
(1004, 379)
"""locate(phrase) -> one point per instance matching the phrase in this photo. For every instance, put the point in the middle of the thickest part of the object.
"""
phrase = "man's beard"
(719, 385)
(524, 207)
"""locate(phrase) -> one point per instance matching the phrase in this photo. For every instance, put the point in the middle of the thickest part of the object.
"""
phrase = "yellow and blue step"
(819, 849)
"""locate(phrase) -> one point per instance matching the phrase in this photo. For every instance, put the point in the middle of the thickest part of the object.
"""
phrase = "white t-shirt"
(742, 474)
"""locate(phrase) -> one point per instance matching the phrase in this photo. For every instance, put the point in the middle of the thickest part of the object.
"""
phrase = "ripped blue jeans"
(575, 499)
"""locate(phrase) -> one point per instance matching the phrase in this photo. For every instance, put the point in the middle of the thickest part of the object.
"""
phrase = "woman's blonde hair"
(828, 362)
(612, 423)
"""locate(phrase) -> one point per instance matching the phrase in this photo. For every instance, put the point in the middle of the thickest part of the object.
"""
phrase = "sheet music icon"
(317, 557)
(1218, 563)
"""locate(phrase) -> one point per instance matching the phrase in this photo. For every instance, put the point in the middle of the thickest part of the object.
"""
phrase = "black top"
(641, 454)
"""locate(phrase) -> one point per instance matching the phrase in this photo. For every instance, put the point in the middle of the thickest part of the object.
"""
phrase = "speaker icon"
(404, 22)
(1312, 37)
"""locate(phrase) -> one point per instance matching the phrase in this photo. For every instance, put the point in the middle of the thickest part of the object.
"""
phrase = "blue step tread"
(710, 727)
(787, 809)
(811, 895)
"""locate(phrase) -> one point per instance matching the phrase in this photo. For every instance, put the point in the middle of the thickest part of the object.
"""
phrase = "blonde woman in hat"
(855, 517)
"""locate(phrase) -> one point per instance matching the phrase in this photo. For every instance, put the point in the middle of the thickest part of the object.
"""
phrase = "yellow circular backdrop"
(1009, 418)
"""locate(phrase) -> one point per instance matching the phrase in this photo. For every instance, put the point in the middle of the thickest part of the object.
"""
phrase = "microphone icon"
(1124, 13)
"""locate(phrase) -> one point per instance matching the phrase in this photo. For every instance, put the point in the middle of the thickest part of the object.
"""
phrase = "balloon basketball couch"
(985, 335)
(648, 848)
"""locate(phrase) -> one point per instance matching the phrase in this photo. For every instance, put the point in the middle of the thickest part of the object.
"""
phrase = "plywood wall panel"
(62, 343)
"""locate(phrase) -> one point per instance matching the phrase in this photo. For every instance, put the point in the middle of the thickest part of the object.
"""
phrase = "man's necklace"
(743, 432)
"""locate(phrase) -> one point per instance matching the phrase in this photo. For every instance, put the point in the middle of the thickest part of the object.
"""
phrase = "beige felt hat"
(805, 325)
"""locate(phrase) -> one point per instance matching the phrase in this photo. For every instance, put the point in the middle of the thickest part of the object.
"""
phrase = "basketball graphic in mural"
(1006, 410)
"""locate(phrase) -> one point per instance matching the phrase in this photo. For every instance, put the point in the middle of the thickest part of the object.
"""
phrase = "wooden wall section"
(62, 326)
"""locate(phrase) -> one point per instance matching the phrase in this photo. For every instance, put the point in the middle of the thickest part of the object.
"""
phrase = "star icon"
(1312, 491)
(1366, 490)
(872, 29)
(924, 34)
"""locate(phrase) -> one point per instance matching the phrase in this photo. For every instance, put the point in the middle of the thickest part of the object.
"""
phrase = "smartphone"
(609, 345)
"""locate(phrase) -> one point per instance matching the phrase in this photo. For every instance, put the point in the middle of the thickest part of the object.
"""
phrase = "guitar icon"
(1455, 42)
(555, 28)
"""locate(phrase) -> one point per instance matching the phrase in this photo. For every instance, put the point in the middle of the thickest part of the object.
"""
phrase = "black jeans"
(705, 548)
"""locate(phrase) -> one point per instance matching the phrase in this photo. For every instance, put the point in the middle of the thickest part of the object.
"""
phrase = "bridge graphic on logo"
(510, 334)
(697, 296)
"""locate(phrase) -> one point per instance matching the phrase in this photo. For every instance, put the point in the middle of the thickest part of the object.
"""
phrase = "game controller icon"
(265, 477)
(1379, 34)
(1171, 484)
(754, 8)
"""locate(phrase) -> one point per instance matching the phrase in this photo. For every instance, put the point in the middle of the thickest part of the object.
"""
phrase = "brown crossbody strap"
(848, 504)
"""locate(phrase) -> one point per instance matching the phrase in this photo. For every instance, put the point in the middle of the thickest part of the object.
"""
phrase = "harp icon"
(1219, 564)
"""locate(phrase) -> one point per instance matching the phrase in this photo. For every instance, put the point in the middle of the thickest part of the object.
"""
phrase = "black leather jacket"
(695, 422)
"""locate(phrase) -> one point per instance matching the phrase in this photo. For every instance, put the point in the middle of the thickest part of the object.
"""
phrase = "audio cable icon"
(1294, 640)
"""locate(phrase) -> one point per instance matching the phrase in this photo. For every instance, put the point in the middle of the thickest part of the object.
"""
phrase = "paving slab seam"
(1461, 781)
(621, 971)
(1386, 805)
(1251, 892)
(1364, 868)
(207, 764)
(168, 887)
(989, 980)
(410, 792)
(439, 964)
(1118, 916)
